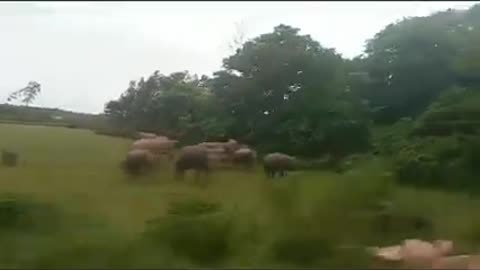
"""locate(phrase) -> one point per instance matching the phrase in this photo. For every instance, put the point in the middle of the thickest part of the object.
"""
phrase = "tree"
(26, 94)
(467, 65)
(283, 91)
(411, 62)
(173, 105)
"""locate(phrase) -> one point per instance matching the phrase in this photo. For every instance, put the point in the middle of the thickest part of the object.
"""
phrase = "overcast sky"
(85, 53)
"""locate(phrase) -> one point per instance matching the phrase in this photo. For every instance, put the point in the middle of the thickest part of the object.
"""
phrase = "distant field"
(35, 123)
(79, 172)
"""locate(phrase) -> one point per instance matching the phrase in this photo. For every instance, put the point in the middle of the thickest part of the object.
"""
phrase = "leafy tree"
(283, 90)
(410, 63)
(467, 65)
(26, 94)
(173, 105)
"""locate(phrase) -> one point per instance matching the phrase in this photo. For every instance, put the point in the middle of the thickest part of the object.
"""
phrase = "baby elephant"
(274, 163)
(193, 157)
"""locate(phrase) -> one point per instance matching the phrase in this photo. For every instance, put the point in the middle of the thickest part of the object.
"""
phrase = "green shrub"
(393, 225)
(346, 137)
(301, 247)
(414, 168)
(17, 213)
(388, 141)
(439, 162)
(197, 231)
(9, 159)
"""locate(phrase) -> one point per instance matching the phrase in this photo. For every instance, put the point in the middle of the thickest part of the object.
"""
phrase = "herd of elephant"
(146, 151)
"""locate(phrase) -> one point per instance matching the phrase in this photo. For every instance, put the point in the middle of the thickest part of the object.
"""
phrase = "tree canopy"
(284, 91)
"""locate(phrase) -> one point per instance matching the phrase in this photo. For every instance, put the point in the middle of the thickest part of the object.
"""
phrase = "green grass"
(103, 214)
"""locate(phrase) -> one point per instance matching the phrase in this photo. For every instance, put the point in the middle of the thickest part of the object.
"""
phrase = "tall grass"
(100, 217)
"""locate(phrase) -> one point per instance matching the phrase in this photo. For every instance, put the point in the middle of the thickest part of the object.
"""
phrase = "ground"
(105, 212)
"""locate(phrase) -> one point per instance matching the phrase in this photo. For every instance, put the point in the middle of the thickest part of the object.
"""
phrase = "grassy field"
(87, 213)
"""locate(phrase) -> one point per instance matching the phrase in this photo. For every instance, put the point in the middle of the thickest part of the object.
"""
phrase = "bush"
(393, 226)
(20, 214)
(388, 141)
(439, 162)
(414, 168)
(195, 230)
(346, 137)
(9, 159)
(337, 138)
(301, 248)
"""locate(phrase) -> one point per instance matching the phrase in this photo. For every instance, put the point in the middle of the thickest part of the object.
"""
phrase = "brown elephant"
(245, 157)
(193, 157)
(274, 163)
(157, 146)
(138, 161)
(230, 146)
(146, 135)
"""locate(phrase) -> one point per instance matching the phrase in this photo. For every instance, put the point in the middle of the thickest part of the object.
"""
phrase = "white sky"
(85, 53)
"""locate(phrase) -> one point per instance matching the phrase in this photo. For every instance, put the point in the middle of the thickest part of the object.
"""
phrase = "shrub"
(346, 137)
(412, 167)
(18, 213)
(389, 141)
(393, 225)
(301, 247)
(193, 229)
(9, 159)
(446, 162)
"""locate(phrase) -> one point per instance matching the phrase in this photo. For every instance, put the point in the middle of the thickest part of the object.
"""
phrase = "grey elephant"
(280, 163)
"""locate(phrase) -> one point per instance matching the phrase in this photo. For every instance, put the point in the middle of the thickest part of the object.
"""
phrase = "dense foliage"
(281, 91)
(416, 83)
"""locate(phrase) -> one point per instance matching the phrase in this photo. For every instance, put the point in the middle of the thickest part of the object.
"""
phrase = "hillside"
(49, 116)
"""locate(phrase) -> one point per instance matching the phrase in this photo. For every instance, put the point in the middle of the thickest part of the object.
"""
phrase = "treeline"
(50, 117)
(283, 91)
